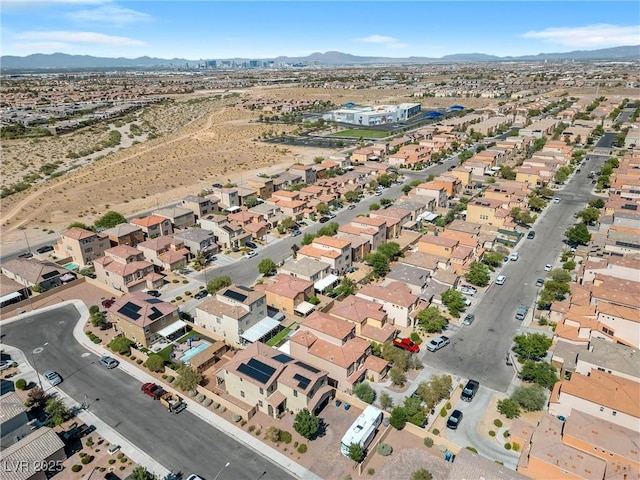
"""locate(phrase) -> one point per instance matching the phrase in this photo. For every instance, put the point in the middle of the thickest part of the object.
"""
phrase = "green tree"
(532, 398)
(373, 207)
(385, 180)
(545, 192)
(218, 283)
(559, 275)
(454, 301)
(436, 389)
(386, 402)
(356, 452)
(414, 411)
(155, 363)
(431, 320)
(509, 408)
(329, 230)
(398, 418)
(507, 172)
(347, 287)
(536, 203)
(541, 373)
(110, 220)
(406, 189)
(288, 223)
(353, 196)
(493, 259)
(532, 346)
(578, 234)
(322, 208)
(188, 378)
(251, 201)
(306, 424)
(562, 175)
(266, 266)
(390, 250)
(141, 473)
(57, 410)
(121, 345)
(308, 238)
(379, 263)
(364, 392)
(589, 215)
(569, 265)
(93, 309)
(397, 376)
(78, 225)
(478, 274)
(597, 203)
(385, 201)
(421, 474)
(98, 319)
(37, 397)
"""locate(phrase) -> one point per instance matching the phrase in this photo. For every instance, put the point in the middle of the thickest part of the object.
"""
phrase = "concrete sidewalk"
(194, 407)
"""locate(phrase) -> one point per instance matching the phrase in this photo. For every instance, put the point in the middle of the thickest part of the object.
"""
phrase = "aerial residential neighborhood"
(347, 270)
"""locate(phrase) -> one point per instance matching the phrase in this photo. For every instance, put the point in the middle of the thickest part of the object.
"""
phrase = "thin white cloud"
(383, 40)
(110, 15)
(589, 36)
(80, 38)
(42, 47)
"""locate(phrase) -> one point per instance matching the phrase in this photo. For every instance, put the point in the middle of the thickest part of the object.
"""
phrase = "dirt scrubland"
(199, 140)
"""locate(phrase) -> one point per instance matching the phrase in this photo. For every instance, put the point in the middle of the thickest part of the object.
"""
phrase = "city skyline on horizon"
(193, 30)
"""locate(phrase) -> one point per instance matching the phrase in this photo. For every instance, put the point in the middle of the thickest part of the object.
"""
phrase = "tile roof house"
(227, 234)
(27, 456)
(275, 382)
(125, 269)
(600, 394)
(329, 343)
(124, 234)
(396, 299)
(231, 312)
(200, 206)
(413, 277)
(166, 252)
(331, 250)
(470, 465)
(154, 226)
(181, 218)
(83, 246)
(145, 319)
(368, 317)
(197, 240)
(287, 292)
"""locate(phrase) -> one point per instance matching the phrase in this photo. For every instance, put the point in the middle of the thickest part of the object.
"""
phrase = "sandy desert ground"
(199, 143)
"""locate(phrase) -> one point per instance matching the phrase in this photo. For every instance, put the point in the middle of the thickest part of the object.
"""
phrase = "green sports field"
(361, 133)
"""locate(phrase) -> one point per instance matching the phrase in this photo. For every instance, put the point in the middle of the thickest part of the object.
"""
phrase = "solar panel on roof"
(303, 382)
(263, 367)
(154, 300)
(254, 373)
(235, 295)
(282, 358)
(242, 287)
(49, 274)
(307, 367)
(130, 310)
(156, 314)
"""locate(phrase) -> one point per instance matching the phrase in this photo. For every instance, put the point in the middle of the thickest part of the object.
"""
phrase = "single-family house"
(83, 246)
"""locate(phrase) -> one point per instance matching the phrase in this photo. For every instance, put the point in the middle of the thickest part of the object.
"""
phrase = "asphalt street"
(479, 351)
(180, 442)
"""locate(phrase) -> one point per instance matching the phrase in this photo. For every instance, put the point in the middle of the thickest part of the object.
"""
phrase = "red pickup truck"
(153, 390)
(406, 344)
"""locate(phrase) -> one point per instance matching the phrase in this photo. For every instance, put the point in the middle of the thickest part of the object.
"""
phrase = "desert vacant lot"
(199, 142)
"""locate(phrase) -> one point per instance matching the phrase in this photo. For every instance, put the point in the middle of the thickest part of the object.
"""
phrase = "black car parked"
(454, 420)
(470, 390)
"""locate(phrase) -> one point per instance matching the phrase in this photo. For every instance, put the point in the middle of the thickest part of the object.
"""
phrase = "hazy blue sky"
(212, 29)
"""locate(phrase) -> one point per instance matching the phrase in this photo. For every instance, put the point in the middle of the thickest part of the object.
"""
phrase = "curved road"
(180, 442)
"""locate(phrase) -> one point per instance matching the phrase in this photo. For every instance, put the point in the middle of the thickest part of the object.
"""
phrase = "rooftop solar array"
(303, 382)
(283, 358)
(232, 294)
(48, 275)
(130, 310)
(307, 367)
(155, 314)
(257, 370)
(154, 300)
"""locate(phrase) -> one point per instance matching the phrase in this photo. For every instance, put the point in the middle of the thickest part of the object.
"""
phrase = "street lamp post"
(218, 474)
(35, 367)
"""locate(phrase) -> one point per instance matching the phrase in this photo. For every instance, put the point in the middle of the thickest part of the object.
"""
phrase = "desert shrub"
(492, 433)
(258, 432)
(236, 418)
(285, 436)
(435, 431)
(187, 293)
(428, 442)
(384, 449)
(178, 298)
(505, 434)
(443, 412)
(76, 468)
(207, 402)
(216, 405)
(471, 449)
(302, 448)
(21, 384)
(515, 446)
(86, 459)
(223, 409)
(123, 460)
(371, 471)
(164, 376)
(139, 361)
(200, 397)
(112, 461)
(89, 442)
(170, 378)
(193, 393)
(507, 446)
(497, 422)
(448, 405)
(272, 434)
(252, 428)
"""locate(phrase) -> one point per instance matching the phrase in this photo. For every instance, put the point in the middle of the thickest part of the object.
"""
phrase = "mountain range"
(55, 61)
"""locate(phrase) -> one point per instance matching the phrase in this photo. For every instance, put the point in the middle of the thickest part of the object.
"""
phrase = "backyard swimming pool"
(192, 352)
(72, 266)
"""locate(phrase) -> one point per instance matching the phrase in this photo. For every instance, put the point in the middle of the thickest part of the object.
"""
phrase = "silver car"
(437, 343)
(52, 377)
(109, 362)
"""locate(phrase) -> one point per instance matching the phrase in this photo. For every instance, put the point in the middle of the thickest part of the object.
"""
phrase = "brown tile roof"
(378, 335)
(123, 251)
(288, 286)
(311, 251)
(375, 364)
(331, 242)
(148, 221)
(438, 240)
(78, 233)
(396, 293)
(332, 326)
(358, 309)
(617, 393)
(343, 356)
